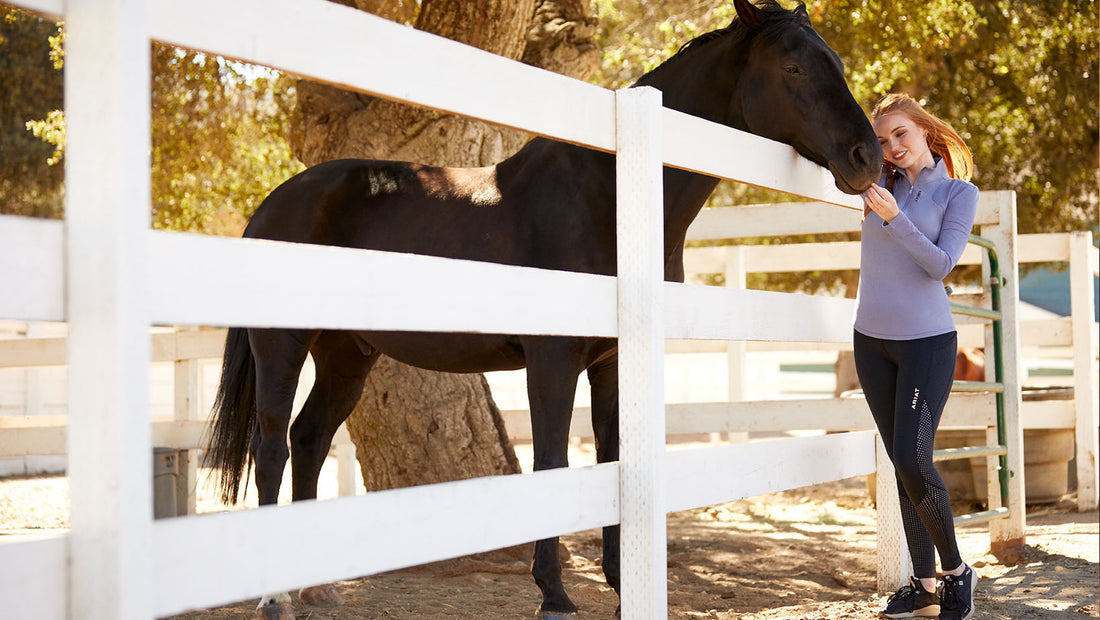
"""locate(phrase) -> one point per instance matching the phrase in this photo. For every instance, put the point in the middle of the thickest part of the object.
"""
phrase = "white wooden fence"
(111, 278)
(1072, 338)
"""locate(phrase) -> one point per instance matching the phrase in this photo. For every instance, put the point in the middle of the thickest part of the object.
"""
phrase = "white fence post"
(893, 551)
(33, 404)
(32, 401)
(1009, 532)
(641, 354)
(736, 350)
(186, 391)
(107, 114)
(346, 465)
(1086, 400)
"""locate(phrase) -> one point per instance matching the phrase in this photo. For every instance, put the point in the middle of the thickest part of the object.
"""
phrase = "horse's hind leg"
(342, 368)
(604, 379)
(279, 355)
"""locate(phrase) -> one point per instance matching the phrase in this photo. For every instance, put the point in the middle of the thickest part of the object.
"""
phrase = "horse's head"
(792, 90)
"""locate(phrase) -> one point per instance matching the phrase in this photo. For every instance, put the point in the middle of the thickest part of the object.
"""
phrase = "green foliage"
(29, 89)
(218, 131)
(218, 137)
(636, 35)
(51, 130)
(1017, 79)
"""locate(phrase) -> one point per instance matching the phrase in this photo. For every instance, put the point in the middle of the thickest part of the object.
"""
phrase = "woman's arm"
(938, 259)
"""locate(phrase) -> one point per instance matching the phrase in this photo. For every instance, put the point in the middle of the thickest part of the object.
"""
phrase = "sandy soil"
(803, 554)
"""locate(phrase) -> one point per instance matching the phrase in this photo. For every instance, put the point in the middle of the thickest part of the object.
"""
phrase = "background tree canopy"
(218, 132)
(1017, 79)
(30, 88)
(219, 139)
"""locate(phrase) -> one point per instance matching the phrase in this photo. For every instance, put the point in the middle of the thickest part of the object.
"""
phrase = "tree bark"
(414, 426)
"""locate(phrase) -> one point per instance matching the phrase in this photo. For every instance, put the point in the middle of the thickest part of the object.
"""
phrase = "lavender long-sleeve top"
(903, 263)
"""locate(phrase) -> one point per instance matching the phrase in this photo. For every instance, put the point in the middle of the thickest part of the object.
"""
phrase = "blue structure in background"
(1049, 289)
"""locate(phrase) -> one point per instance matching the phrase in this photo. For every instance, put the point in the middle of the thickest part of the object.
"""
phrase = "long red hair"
(942, 139)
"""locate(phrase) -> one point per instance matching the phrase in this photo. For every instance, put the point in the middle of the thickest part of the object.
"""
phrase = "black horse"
(551, 206)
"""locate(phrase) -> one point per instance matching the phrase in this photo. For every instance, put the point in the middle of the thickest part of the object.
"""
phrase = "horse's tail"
(234, 417)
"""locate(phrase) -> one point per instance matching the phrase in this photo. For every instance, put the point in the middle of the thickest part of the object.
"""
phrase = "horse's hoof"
(274, 611)
(555, 615)
(323, 596)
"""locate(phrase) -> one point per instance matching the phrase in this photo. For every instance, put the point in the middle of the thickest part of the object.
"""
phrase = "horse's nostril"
(858, 157)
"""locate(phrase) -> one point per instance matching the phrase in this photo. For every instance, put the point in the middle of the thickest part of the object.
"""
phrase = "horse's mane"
(736, 30)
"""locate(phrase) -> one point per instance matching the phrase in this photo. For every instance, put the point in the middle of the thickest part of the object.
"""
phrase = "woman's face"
(903, 142)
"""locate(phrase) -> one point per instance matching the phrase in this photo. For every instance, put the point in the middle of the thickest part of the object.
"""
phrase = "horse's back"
(397, 207)
(320, 204)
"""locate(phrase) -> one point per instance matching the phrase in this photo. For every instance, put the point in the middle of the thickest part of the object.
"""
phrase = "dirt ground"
(804, 554)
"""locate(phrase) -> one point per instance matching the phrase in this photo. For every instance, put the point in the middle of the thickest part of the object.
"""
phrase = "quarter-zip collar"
(927, 175)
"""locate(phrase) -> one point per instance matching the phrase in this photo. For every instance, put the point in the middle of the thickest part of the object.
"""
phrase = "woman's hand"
(880, 201)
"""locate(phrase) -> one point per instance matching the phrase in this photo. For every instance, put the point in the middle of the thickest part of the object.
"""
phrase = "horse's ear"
(800, 12)
(749, 14)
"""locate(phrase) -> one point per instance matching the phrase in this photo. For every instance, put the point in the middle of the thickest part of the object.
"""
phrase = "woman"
(916, 225)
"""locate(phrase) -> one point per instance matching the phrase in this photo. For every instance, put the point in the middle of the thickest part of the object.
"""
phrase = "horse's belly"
(447, 352)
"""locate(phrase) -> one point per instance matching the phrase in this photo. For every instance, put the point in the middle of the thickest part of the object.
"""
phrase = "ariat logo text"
(916, 393)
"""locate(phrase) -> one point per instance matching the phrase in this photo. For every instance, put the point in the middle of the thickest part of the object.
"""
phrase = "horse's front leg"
(604, 379)
(552, 371)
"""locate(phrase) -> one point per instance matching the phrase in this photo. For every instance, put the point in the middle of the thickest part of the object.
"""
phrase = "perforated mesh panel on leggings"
(906, 384)
(933, 510)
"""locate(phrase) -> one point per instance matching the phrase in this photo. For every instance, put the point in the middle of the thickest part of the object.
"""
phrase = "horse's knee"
(272, 452)
(607, 442)
(271, 458)
(605, 410)
(551, 449)
(306, 441)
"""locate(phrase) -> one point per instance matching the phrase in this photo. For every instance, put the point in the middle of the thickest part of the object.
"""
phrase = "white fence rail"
(109, 297)
(39, 435)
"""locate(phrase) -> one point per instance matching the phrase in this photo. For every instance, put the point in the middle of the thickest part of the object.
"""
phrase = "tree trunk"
(414, 426)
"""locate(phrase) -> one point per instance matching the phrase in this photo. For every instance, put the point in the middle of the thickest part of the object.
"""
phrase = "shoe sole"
(930, 611)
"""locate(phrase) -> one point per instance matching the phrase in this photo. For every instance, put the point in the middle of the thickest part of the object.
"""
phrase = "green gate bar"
(996, 281)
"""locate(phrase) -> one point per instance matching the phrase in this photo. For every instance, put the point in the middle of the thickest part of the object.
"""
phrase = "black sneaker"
(912, 601)
(957, 596)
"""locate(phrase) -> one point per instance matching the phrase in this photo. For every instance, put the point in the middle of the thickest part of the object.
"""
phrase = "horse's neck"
(685, 195)
(700, 85)
(691, 87)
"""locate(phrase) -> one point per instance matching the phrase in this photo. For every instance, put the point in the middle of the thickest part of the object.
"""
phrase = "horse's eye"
(793, 69)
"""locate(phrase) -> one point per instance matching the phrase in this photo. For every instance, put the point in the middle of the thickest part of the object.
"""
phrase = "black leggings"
(906, 383)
